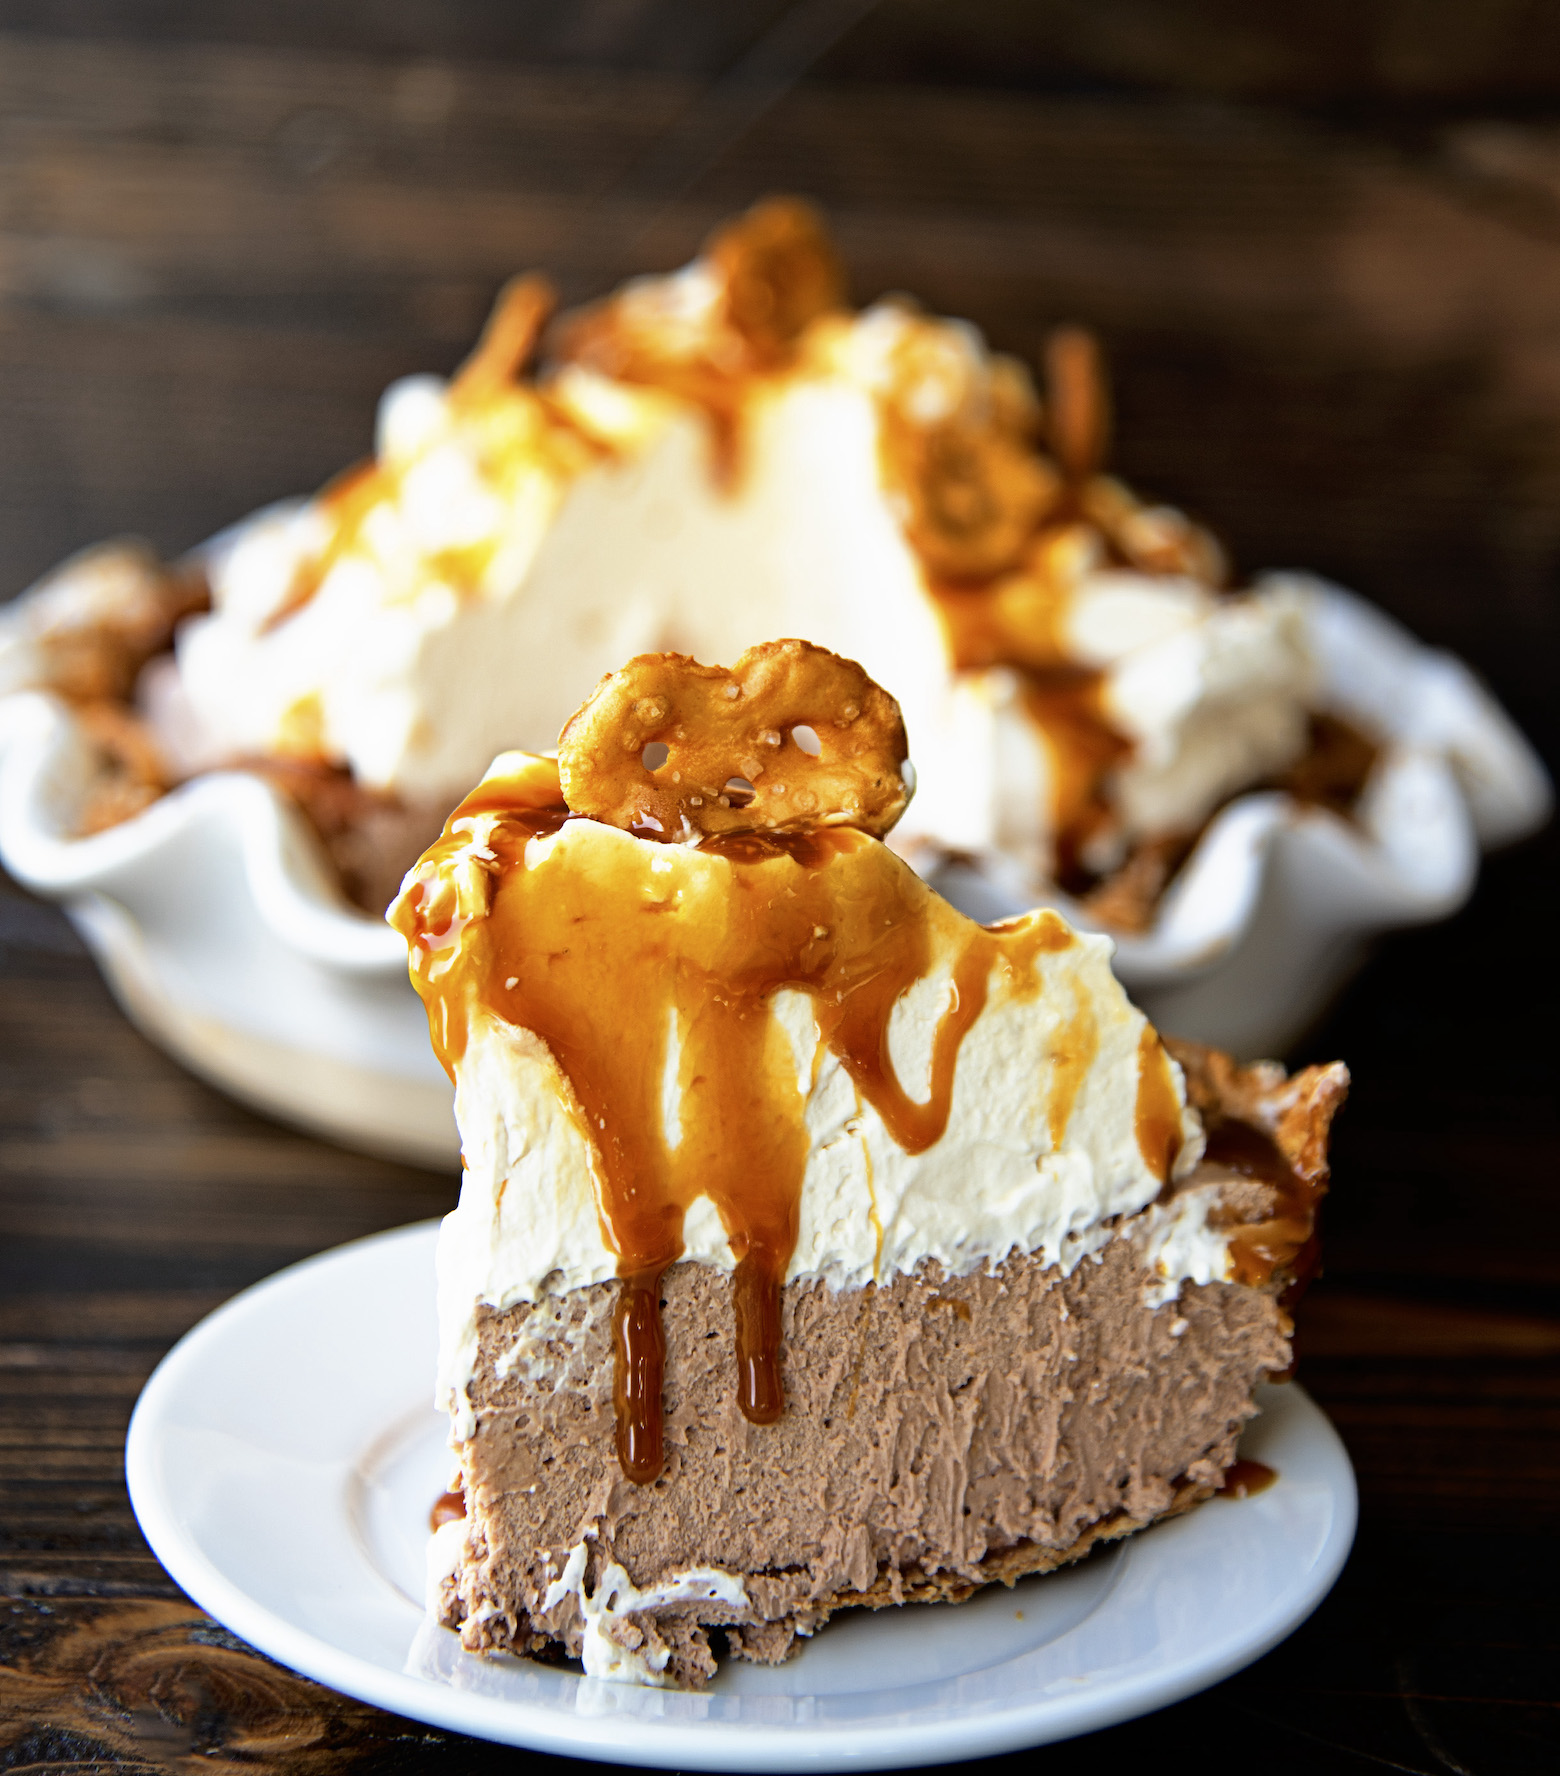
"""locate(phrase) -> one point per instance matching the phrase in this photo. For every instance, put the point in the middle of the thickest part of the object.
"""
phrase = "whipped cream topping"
(613, 1647)
(1180, 1241)
(510, 545)
(1212, 692)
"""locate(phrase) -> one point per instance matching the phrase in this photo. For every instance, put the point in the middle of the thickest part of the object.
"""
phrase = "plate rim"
(609, 1737)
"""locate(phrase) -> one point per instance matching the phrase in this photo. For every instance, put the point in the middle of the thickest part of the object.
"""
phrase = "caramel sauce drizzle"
(1286, 1240)
(513, 421)
(1158, 1114)
(1020, 624)
(610, 959)
(344, 501)
(1072, 1057)
(1003, 532)
(1068, 707)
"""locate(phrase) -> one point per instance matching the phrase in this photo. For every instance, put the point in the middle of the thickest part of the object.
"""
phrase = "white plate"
(283, 1458)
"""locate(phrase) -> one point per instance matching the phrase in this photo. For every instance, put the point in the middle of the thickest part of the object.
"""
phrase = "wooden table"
(1338, 338)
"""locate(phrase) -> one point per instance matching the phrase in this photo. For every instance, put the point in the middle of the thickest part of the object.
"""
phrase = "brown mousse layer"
(939, 1434)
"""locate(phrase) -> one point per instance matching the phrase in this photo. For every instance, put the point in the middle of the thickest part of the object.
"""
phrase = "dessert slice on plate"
(817, 1247)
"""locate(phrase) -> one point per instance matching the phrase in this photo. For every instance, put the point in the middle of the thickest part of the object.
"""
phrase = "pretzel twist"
(734, 759)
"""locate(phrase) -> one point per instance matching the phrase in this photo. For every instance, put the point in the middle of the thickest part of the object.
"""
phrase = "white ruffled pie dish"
(224, 936)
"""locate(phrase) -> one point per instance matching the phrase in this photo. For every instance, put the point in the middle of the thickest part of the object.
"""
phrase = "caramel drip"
(877, 1219)
(1286, 1240)
(344, 501)
(756, 1299)
(1074, 1055)
(855, 1028)
(612, 961)
(639, 1369)
(1157, 1119)
(1245, 1479)
(509, 340)
(1068, 707)
(1019, 623)
(448, 1507)
(722, 398)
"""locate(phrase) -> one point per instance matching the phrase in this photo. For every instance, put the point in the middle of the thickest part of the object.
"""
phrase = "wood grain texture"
(1325, 254)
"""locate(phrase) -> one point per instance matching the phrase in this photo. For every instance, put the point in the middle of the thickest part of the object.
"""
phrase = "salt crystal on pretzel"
(791, 736)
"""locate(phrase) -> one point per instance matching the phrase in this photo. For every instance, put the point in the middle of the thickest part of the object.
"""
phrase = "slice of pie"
(817, 1247)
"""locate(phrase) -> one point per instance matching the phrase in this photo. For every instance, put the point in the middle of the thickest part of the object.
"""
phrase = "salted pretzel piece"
(778, 270)
(774, 272)
(1077, 402)
(1155, 539)
(724, 730)
(972, 494)
(130, 772)
(509, 340)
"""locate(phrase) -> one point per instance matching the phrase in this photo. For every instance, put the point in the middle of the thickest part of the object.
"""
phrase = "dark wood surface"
(1326, 259)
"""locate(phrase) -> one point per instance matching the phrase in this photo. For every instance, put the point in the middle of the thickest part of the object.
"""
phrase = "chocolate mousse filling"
(940, 1433)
